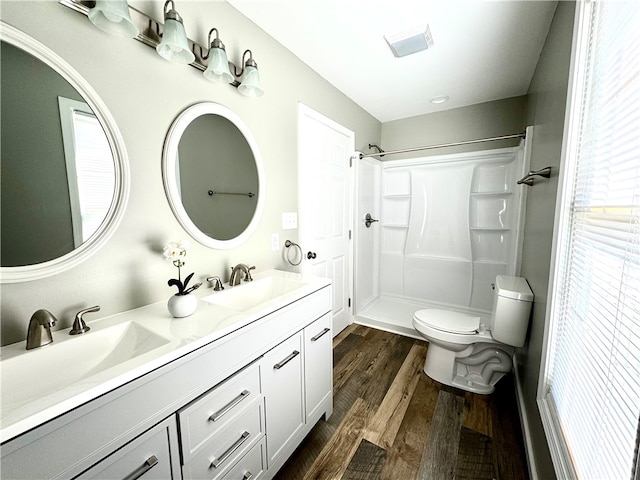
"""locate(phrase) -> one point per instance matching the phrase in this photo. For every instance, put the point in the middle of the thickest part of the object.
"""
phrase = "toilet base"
(475, 369)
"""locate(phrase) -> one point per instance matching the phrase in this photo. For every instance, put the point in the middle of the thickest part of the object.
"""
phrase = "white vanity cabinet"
(297, 379)
(220, 410)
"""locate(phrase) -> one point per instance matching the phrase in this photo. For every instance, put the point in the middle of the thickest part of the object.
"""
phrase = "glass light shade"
(250, 86)
(218, 67)
(174, 46)
(112, 16)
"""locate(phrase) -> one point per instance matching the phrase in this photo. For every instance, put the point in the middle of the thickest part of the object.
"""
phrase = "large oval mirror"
(213, 175)
(63, 170)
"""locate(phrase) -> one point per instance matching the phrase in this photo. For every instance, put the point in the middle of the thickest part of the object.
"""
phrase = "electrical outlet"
(275, 242)
(289, 220)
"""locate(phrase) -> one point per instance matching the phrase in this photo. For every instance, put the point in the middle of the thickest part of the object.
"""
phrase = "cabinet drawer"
(204, 417)
(153, 455)
(229, 443)
(251, 466)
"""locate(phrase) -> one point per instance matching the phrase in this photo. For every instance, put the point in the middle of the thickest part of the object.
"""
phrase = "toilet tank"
(512, 301)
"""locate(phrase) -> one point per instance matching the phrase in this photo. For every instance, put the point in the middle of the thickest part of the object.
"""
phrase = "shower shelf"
(489, 194)
(491, 229)
(485, 261)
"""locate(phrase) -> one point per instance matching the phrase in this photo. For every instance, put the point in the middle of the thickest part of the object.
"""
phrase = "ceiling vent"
(410, 41)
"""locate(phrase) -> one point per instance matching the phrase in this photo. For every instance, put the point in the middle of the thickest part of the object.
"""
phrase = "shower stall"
(439, 230)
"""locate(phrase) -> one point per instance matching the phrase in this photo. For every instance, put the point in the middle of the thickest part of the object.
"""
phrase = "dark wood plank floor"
(391, 421)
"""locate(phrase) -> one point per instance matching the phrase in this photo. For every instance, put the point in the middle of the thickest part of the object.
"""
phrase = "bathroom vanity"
(228, 392)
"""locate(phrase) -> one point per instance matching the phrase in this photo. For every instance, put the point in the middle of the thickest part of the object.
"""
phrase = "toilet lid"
(448, 320)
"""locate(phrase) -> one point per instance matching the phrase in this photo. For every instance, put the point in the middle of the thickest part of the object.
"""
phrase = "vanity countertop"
(178, 337)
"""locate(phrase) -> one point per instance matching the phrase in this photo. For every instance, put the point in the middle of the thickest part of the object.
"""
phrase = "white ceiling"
(483, 50)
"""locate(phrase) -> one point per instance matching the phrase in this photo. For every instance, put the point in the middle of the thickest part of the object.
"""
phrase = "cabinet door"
(152, 455)
(318, 365)
(281, 371)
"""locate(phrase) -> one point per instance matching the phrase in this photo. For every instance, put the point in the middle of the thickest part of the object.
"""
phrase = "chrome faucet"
(39, 332)
(217, 283)
(235, 279)
(79, 325)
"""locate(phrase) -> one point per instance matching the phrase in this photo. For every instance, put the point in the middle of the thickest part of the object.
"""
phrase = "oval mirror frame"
(169, 155)
(116, 143)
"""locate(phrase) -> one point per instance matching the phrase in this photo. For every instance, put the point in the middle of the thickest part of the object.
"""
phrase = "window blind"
(94, 171)
(592, 375)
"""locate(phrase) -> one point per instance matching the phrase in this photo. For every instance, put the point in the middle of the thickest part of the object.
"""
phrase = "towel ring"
(288, 244)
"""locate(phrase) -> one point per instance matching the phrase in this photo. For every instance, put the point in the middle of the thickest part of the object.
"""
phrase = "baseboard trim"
(524, 423)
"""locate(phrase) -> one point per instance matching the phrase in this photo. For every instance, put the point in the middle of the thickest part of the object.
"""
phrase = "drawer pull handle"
(247, 476)
(326, 330)
(215, 416)
(149, 463)
(243, 438)
(281, 364)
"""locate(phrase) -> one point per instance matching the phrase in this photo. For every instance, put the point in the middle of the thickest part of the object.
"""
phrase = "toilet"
(472, 352)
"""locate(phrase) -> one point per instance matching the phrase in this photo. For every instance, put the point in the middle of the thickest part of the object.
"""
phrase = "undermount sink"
(39, 372)
(248, 295)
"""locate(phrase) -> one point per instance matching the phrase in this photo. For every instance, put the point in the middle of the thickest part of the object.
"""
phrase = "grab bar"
(212, 193)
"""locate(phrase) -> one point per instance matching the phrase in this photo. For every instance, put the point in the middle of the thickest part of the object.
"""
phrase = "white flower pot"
(182, 305)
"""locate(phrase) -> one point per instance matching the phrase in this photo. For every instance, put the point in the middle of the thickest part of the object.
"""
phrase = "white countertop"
(183, 335)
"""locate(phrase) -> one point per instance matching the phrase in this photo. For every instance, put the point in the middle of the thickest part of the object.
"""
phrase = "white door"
(324, 151)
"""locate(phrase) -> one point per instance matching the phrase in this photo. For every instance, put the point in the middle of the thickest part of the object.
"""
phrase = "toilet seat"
(449, 321)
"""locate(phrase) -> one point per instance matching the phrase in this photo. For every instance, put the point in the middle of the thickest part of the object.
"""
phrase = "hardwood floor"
(391, 421)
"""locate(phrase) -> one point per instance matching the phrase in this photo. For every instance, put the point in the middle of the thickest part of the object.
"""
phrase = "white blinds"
(592, 377)
(94, 172)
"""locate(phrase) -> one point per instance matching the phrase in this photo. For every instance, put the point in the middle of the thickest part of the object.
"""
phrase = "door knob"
(311, 255)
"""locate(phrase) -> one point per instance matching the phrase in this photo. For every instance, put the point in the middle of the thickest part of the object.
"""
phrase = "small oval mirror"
(213, 175)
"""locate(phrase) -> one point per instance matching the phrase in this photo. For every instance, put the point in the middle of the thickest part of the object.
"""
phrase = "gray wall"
(547, 99)
(144, 93)
(483, 120)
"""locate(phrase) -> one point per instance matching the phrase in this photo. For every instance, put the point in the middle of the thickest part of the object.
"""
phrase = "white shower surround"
(448, 225)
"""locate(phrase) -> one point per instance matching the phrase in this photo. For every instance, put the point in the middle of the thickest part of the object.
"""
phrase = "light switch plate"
(275, 242)
(289, 220)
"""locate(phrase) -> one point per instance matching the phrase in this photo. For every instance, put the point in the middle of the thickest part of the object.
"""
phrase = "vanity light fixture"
(112, 16)
(171, 42)
(218, 67)
(174, 45)
(250, 82)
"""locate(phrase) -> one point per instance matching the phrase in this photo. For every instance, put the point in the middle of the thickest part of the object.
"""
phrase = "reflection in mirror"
(213, 175)
(218, 177)
(63, 186)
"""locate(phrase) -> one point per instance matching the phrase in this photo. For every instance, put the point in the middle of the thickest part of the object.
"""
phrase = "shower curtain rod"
(442, 145)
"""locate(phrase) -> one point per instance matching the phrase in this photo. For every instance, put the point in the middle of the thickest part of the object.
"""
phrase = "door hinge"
(349, 303)
(349, 234)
